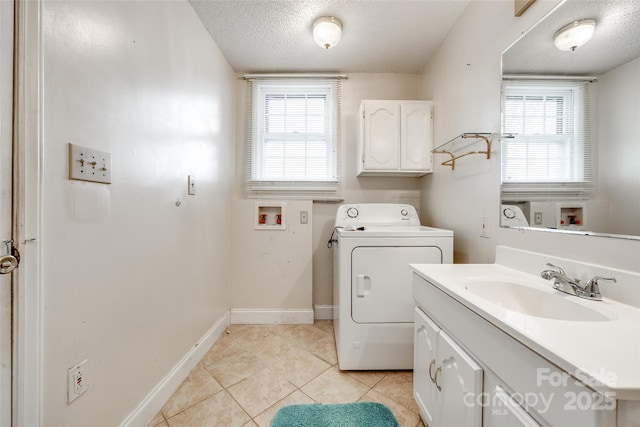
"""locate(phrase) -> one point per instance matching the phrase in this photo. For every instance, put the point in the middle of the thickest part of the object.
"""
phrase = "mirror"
(611, 205)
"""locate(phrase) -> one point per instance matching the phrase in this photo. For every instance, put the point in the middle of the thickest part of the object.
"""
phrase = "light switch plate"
(484, 226)
(86, 164)
(192, 185)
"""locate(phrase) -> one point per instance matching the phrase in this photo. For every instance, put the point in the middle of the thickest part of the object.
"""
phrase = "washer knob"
(509, 213)
(404, 212)
(352, 212)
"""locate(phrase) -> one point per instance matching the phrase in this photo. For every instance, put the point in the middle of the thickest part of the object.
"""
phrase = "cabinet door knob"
(431, 365)
(436, 378)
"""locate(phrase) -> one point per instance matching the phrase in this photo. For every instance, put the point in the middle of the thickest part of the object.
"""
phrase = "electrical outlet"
(76, 381)
(537, 218)
(484, 231)
(304, 217)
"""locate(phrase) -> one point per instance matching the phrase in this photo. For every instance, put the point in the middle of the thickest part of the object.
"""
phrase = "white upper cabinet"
(380, 135)
(395, 138)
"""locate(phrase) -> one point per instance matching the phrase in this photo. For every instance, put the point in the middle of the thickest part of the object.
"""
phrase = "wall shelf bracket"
(454, 146)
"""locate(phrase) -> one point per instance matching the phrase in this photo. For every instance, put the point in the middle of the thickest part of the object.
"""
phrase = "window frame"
(258, 184)
(578, 183)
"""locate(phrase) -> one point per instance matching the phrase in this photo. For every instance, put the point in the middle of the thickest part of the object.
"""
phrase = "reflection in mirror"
(571, 124)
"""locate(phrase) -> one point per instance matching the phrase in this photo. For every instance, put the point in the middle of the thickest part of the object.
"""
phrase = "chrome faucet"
(562, 282)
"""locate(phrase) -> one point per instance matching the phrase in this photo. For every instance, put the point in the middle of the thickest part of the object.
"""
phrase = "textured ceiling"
(616, 40)
(395, 36)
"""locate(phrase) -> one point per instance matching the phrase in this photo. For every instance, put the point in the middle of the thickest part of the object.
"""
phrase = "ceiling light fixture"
(575, 34)
(327, 31)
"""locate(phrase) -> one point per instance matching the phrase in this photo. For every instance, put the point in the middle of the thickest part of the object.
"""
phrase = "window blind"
(293, 138)
(550, 154)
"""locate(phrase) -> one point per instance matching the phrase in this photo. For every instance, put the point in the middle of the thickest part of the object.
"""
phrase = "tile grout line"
(299, 346)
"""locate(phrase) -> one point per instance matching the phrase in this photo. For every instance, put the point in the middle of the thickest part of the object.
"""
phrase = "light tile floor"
(253, 370)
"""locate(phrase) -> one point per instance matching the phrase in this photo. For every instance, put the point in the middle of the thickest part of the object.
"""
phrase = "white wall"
(273, 266)
(131, 281)
(355, 190)
(619, 151)
(463, 80)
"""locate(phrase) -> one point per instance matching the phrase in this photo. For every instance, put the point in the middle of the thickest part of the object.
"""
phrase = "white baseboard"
(255, 316)
(323, 312)
(156, 399)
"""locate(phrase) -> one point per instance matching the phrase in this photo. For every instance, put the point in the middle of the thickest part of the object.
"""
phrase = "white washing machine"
(374, 243)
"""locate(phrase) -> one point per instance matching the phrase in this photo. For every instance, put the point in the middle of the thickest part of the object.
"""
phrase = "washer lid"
(393, 231)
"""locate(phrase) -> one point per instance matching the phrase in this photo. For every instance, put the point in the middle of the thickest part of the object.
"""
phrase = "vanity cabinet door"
(446, 380)
(459, 381)
(505, 412)
(424, 366)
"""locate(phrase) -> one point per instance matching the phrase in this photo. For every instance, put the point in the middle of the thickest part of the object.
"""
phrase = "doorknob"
(8, 263)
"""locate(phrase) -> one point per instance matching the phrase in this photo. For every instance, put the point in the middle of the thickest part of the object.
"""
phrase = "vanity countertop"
(603, 354)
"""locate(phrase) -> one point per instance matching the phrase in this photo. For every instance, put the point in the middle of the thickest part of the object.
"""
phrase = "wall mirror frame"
(610, 61)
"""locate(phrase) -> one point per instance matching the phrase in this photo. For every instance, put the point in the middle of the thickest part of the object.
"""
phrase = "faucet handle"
(593, 282)
(591, 289)
(560, 270)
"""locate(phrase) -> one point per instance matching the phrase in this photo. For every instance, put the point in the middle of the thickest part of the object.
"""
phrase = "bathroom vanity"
(496, 345)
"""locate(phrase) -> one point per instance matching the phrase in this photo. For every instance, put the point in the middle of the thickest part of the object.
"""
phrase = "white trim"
(294, 76)
(548, 77)
(323, 312)
(7, 215)
(279, 196)
(156, 399)
(28, 305)
(268, 316)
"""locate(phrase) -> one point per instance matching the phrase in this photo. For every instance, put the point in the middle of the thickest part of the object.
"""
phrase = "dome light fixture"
(327, 31)
(573, 35)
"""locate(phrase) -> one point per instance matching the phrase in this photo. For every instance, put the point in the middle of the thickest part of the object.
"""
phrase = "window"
(550, 150)
(293, 138)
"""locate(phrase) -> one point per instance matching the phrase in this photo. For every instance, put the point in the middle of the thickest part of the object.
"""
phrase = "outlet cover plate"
(87, 164)
(537, 220)
(76, 381)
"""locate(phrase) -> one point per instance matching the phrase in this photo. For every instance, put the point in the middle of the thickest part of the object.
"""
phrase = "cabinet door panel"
(505, 412)
(460, 380)
(381, 135)
(416, 136)
(424, 351)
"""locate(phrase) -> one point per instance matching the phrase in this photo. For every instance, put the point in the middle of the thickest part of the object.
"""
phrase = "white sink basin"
(533, 302)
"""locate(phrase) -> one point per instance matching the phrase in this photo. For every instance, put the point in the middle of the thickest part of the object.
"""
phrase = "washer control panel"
(382, 214)
(513, 216)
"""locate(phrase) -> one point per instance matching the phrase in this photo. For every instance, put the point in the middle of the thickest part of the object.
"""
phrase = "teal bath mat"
(362, 414)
